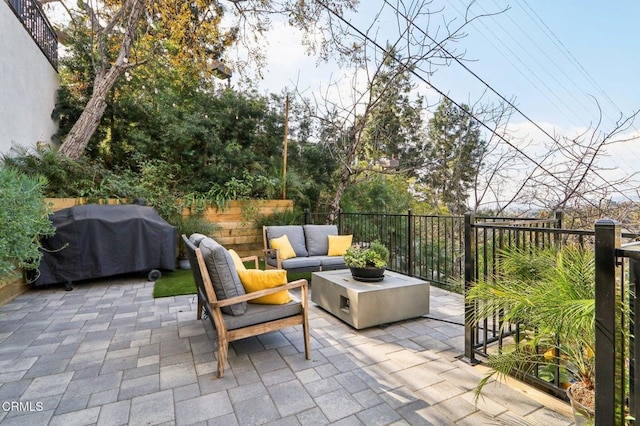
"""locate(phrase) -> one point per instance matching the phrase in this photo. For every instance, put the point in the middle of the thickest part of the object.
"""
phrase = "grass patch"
(175, 283)
(181, 282)
(292, 276)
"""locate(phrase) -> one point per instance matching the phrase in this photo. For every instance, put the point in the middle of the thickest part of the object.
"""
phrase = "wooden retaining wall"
(11, 287)
(238, 230)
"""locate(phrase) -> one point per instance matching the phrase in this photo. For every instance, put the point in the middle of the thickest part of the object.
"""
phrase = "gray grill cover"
(104, 240)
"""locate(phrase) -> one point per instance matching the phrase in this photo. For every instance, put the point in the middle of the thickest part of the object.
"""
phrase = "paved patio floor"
(107, 353)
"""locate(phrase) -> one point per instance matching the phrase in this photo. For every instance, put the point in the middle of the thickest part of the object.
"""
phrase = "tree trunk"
(334, 208)
(82, 130)
(80, 134)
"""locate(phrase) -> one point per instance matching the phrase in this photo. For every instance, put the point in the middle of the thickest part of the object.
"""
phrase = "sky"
(551, 55)
(558, 60)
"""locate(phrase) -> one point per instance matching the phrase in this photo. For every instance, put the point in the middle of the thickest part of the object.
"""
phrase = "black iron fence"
(484, 241)
(442, 248)
(430, 247)
(617, 284)
(36, 23)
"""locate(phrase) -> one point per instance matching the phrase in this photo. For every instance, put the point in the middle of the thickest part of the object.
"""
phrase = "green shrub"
(281, 217)
(23, 220)
(376, 254)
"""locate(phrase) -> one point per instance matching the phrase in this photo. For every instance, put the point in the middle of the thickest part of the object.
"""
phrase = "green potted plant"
(550, 293)
(367, 263)
(24, 219)
(191, 224)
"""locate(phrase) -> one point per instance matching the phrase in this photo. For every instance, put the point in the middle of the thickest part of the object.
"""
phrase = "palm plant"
(550, 293)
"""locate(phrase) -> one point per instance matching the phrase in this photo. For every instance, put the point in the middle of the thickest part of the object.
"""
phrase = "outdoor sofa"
(314, 247)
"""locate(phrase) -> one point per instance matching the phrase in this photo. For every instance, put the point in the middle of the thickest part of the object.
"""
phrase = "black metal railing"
(36, 23)
(429, 247)
(617, 284)
(617, 388)
(484, 240)
(439, 248)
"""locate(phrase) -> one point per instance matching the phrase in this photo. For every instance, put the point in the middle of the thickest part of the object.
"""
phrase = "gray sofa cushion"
(298, 262)
(294, 233)
(332, 262)
(316, 237)
(225, 279)
(301, 262)
(196, 238)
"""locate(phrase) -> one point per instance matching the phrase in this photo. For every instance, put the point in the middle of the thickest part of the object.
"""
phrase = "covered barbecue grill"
(94, 241)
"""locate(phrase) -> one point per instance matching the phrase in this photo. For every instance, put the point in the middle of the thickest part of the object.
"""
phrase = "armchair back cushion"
(224, 277)
(317, 238)
(295, 235)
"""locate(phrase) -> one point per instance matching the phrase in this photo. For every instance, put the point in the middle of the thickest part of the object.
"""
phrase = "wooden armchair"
(257, 318)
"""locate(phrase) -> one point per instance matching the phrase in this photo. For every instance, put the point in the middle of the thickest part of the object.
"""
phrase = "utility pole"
(286, 137)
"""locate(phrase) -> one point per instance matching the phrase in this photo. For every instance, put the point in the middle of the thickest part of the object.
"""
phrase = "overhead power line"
(561, 46)
(444, 95)
(441, 93)
(525, 70)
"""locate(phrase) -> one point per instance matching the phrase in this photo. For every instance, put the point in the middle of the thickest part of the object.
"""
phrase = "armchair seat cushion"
(257, 314)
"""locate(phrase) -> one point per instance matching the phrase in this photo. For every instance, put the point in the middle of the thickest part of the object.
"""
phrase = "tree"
(393, 129)
(379, 128)
(377, 120)
(130, 33)
(454, 152)
(381, 193)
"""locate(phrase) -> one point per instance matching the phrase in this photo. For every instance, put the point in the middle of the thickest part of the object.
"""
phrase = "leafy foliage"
(226, 144)
(550, 292)
(23, 220)
(283, 217)
(453, 152)
(191, 224)
(379, 193)
(376, 254)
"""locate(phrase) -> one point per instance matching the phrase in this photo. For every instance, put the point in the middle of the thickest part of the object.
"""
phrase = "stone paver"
(107, 353)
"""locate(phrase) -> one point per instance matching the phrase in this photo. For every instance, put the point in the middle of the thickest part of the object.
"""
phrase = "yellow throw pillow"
(338, 244)
(237, 261)
(283, 244)
(257, 279)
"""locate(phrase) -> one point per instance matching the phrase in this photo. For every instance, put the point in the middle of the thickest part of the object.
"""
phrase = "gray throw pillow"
(317, 238)
(225, 279)
(294, 233)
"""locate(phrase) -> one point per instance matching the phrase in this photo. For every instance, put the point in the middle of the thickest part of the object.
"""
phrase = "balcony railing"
(36, 23)
(439, 248)
(429, 247)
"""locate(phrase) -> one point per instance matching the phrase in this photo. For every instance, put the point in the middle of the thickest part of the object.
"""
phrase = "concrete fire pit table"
(366, 304)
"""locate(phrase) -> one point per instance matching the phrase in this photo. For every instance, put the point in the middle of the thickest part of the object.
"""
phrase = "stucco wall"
(28, 85)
